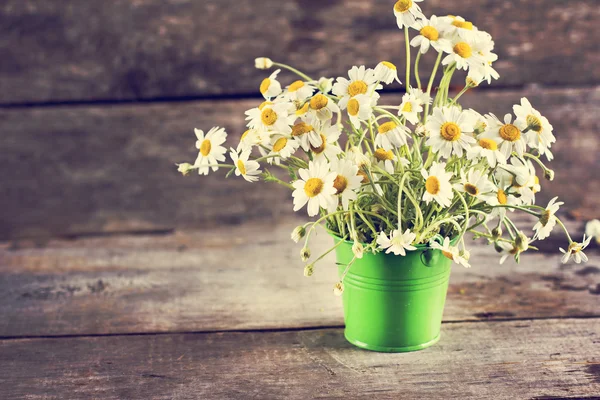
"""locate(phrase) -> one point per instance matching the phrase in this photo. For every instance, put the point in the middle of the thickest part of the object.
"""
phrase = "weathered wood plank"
(68, 170)
(71, 50)
(246, 277)
(506, 360)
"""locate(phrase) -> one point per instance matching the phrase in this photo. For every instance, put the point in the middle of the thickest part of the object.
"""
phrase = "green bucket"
(393, 303)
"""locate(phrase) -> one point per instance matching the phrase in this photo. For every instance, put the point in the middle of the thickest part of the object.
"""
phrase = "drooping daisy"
(391, 135)
(520, 245)
(346, 182)
(397, 243)
(519, 176)
(329, 148)
(422, 97)
(483, 72)
(211, 151)
(431, 35)
(360, 108)
(359, 158)
(362, 81)
(410, 108)
(507, 135)
(450, 131)
(462, 28)
(322, 107)
(270, 87)
(462, 54)
(437, 185)
(575, 250)
(476, 183)
(299, 91)
(487, 148)
(314, 187)
(282, 147)
(547, 221)
(306, 135)
(407, 12)
(248, 169)
(385, 159)
(386, 72)
(483, 46)
(263, 63)
(450, 252)
(325, 84)
(247, 140)
(539, 131)
(272, 117)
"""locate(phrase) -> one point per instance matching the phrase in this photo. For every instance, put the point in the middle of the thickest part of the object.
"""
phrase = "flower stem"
(407, 40)
(417, 77)
(294, 70)
(430, 84)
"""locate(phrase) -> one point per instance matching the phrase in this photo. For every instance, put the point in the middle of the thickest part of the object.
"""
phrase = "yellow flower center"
(463, 49)
(389, 65)
(319, 150)
(205, 147)
(407, 107)
(534, 123)
(318, 102)
(432, 185)
(264, 104)
(268, 116)
(313, 187)
(510, 133)
(429, 32)
(241, 167)
(340, 184)
(279, 144)
(302, 110)
(264, 86)
(357, 87)
(447, 254)
(471, 189)
(383, 155)
(301, 128)
(575, 248)
(463, 24)
(450, 131)
(489, 144)
(385, 128)
(501, 196)
(537, 182)
(353, 107)
(295, 86)
(403, 5)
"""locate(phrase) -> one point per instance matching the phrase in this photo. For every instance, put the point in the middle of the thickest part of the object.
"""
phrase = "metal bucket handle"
(427, 255)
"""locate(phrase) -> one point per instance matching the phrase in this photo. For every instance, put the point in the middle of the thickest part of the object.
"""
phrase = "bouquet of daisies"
(389, 177)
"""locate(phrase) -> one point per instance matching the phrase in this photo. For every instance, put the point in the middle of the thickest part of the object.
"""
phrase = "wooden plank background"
(98, 99)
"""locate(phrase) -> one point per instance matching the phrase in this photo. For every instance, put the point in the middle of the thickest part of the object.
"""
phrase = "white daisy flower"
(385, 159)
(299, 91)
(322, 107)
(437, 185)
(575, 250)
(247, 140)
(325, 84)
(283, 147)
(430, 35)
(329, 148)
(521, 179)
(462, 28)
(391, 135)
(539, 131)
(410, 108)
(263, 63)
(314, 187)
(397, 243)
(592, 229)
(450, 252)
(462, 53)
(547, 221)
(360, 108)
(306, 135)
(362, 81)
(272, 117)
(476, 183)
(407, 12)
(483, 72)
(248, 169)
(507, 135)
(520, 245)
(487, 148)
(450, 131)
(358, 157)
(211, 151)
(422, 97)
(270, 87)
(386, 72)
(346, 183)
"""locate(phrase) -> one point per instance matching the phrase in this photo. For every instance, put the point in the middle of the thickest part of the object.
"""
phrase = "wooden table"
(226, 313)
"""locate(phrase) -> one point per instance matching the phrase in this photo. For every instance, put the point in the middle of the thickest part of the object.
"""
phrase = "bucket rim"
(439, 238)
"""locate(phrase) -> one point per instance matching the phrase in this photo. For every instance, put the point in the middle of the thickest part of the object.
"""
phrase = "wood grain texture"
(247, 277)
(500, 360)
(71, 170)
(70, 50)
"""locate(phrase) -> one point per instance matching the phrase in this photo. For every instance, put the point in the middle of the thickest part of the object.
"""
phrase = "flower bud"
(309, 270)
(549, 174)
(298, 233)
(305, 254)
(325, 84)
(522, 242)
(338, 288)
(185, 168)
(263, 63)
(421, 130)
(498, 248)
(497, 232)
(358, 249)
